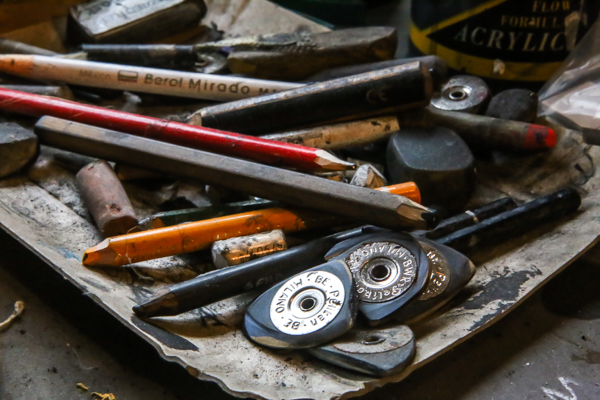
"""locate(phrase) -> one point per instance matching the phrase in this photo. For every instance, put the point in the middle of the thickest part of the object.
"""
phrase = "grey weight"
(438, 161)
(307, 310)
(389, 270)
(405, 295)
(378, 352)
(449, 273)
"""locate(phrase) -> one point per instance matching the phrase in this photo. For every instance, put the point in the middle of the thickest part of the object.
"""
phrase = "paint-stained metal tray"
(42, 209)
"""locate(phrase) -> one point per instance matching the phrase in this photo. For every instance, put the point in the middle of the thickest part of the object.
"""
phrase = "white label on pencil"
(151, 80)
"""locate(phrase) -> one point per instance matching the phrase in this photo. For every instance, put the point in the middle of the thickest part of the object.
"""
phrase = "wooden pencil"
(139, 79)
(228, 143)
(199, 235)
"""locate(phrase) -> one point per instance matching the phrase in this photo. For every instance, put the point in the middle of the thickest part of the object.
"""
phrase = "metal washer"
(382, 271)
(307, 302)
(462, 93)
(375, 341)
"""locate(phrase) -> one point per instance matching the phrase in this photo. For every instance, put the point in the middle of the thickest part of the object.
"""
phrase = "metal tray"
(42, 209)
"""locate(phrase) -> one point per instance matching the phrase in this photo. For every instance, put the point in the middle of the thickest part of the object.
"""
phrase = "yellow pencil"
(199, 235)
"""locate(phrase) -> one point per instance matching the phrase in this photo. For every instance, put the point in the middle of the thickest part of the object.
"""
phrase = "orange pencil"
(199, 235)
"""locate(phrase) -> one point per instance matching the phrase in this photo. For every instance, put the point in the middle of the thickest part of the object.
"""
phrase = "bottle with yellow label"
(503, 41)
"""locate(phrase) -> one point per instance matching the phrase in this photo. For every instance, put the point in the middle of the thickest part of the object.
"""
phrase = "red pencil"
(227, 143)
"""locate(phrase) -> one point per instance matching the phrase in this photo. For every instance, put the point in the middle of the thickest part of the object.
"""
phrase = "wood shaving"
(105, 396)
(19, 308)
(82, 387)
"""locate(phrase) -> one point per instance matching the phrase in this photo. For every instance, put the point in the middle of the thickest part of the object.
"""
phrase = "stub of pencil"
(139, 79)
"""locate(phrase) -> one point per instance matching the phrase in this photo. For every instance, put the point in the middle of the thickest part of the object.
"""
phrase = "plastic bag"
(572, 95)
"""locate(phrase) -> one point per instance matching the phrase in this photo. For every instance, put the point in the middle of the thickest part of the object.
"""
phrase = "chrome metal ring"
(307, 302)
(382, 271)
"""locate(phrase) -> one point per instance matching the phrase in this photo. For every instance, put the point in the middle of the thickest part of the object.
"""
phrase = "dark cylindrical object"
(484, 132)
(377, 92)
(436, 66)
(471, 217)
(106, 199)
(224, 283)
(8, 46)
(510, 223)
(511, 42)
(168, 56)
(306, 54)
(302, 190)
(515, 105)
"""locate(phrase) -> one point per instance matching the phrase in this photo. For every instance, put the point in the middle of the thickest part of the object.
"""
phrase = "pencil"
(228, 143)
(476, 130)
(199, 235)
(227, 282)
(139, 79)
(169, 218)
(176, 217)
(379, 92)
(484, 132)
(224, 283)
(8, 46)
(339, 136)
(293, 188)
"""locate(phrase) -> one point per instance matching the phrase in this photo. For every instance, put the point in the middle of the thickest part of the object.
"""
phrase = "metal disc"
(382, 271)
(462, 93)
(306, 303)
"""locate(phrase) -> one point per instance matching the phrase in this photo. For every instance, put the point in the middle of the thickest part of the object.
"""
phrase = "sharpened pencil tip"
(162, 303)
(139, 311)
(420, 216)
(431, 218)
(329, 162)
(99, 256)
